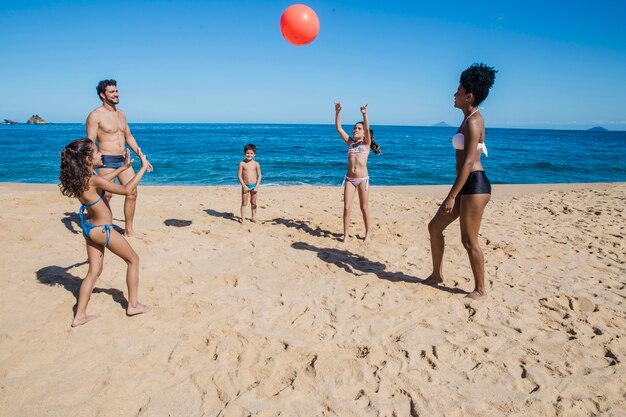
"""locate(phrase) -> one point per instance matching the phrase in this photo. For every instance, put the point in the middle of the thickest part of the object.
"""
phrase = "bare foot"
(433, 280)
(477, 295)
(253, 220)
(134, 235)
(242, 220)
(367, 238)
(345, 239)
(78, 321)
(139, 309)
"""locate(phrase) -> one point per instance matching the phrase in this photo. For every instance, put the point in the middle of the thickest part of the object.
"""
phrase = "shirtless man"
(107, 124)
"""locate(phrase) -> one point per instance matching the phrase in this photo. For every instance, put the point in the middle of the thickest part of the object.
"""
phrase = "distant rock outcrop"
(441, 124)
(9, 122)
(598, 129)
(36, 120)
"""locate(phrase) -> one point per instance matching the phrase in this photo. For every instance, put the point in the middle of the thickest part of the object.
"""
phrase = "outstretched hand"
(337, 106)
(364, 109)
(127, 161)
(145, 163)
(144, 160)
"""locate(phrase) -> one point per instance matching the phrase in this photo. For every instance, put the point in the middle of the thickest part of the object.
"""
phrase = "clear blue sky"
(561, 64)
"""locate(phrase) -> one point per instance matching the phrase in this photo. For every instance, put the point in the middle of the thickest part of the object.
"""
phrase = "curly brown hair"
(75, 168)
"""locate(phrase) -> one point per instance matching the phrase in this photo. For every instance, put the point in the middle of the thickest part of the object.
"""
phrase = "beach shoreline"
(280, 317)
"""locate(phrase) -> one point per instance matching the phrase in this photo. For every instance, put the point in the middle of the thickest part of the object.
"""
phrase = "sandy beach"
(279, 318)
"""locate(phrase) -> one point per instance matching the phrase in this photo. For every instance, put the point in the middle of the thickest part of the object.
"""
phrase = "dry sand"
(280, 318)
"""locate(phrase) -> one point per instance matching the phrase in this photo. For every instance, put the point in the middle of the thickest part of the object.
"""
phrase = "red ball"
(299, 24)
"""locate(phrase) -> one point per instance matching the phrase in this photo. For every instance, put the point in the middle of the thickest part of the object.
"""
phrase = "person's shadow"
(59, 276)
(70, 220)
(223, 215)
(304, 226)
(352, 263)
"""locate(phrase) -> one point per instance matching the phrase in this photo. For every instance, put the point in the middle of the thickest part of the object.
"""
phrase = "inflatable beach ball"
(299, 24)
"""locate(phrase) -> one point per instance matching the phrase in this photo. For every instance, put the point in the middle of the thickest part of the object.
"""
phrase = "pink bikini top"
(358, 148)
(458, 140)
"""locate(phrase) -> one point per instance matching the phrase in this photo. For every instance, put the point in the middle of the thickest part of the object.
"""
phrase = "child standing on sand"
(249, 175)
(357, 179)
(78, 179)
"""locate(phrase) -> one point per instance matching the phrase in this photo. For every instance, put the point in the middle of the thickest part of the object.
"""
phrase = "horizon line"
(435, 125)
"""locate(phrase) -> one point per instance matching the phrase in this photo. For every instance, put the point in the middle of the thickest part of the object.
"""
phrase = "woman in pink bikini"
(356, 178)
(471, 190)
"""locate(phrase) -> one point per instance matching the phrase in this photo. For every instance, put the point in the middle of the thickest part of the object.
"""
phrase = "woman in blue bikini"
(471, 190)
(357, 178)
(78, 179)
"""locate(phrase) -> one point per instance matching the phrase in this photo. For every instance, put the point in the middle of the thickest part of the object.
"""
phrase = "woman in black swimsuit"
(471, 190)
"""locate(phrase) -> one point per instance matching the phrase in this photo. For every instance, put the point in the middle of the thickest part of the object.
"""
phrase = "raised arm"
(126, 189)
(366, 126)
(342, 133)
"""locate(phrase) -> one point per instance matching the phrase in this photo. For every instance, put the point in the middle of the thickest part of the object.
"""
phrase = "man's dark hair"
(249, 147)
(478, 79)
(102, 86)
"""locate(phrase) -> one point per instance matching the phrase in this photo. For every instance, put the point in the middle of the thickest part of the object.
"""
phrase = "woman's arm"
(366, 126)
(340, 130)
(127, 164)
(126, 189)
(467, 157)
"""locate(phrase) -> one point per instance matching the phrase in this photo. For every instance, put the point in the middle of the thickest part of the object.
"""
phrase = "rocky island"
(441, 124)
(36, 120)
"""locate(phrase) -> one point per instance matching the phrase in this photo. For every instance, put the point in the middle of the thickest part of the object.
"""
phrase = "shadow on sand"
(59, 276)
(304, 226)
(223, 215)
(352, 263)
(71, 221)
(177, 223)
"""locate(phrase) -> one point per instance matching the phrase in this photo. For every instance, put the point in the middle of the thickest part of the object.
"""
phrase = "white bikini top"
(458, 140)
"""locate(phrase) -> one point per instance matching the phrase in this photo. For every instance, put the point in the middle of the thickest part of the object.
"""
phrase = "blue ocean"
(208, 154)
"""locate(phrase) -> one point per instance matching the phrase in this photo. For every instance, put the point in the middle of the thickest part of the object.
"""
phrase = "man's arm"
(92, 127)
(132, 143)
(130, 139)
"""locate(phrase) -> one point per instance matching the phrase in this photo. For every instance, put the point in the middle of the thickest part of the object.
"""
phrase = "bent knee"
(434, 228)
(132, 195)
(470, 244)
(94, 273)
(132, 259)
